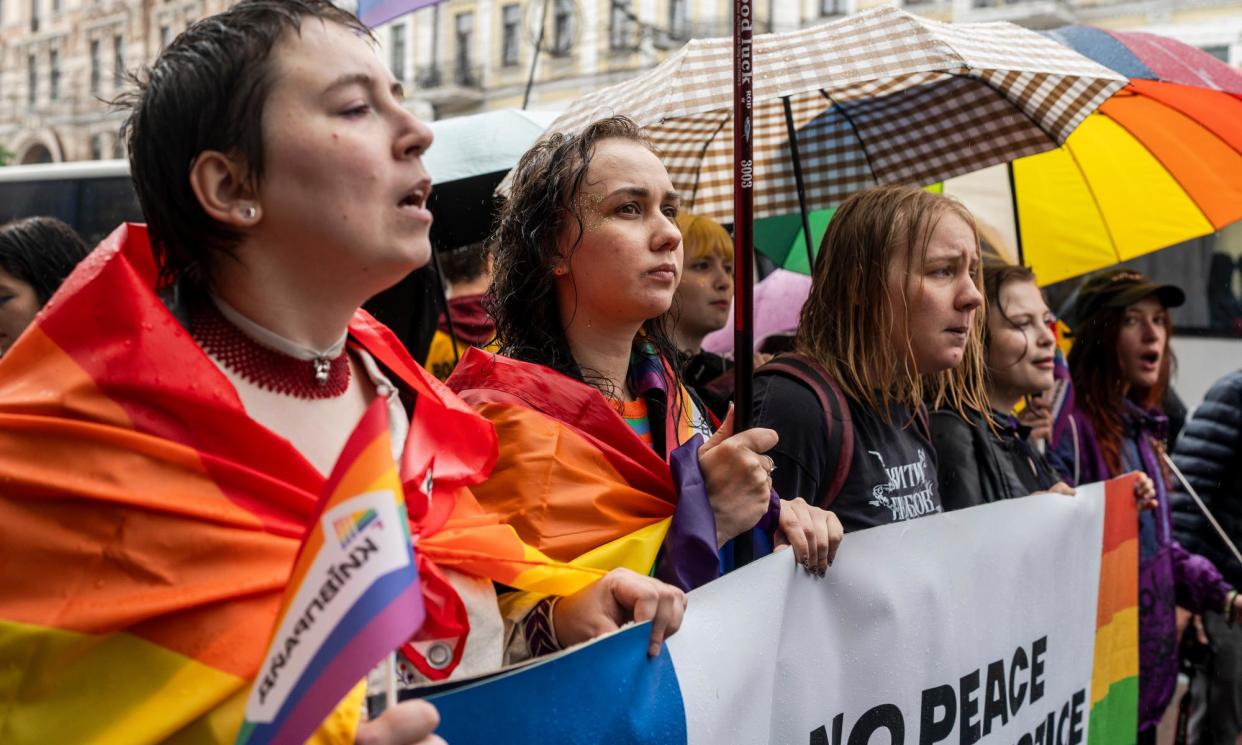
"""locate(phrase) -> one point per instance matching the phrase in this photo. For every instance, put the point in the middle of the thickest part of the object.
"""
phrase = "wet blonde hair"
(848, 320)
(702, 237)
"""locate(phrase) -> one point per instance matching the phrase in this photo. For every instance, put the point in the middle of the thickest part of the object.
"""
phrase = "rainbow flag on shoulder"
(352, 599)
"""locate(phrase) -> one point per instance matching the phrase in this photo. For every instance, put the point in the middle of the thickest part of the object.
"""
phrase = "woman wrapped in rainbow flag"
(167, 422)
(605, 458)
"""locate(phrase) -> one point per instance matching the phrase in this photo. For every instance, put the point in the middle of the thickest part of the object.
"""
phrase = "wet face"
(344, 191)
(942, 296)
(1143, 342)
(626, 268)
(1021, 345)
(18, 306)
(704, 295)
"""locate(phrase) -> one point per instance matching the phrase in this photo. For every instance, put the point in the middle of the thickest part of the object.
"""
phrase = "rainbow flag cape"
(1114, 678)
(150, 527)
(353, 597)
(575, 481)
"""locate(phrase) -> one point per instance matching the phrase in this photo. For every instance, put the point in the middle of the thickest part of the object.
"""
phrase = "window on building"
(96, 67)
(563, 27)
(53, 91)
(621, 25)
(1219, 51)
(34, 15)
(679, 19)
(511, 19)
(396, 51)
(118, 60)
(118, 147)
(32, 79)
(832, 7)
(55, 6)
(165, 37)
(97, 147)
(463, 31)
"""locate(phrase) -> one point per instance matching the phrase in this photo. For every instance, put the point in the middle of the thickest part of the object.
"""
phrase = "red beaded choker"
(268, 368)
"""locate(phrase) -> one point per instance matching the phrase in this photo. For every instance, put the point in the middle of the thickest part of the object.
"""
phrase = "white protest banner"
(1012, 623)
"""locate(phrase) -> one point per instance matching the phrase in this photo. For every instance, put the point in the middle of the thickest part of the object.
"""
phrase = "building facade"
(465, 56)
(61, 61)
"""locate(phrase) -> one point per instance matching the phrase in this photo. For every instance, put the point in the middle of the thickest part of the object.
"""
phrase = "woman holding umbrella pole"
(600, 441)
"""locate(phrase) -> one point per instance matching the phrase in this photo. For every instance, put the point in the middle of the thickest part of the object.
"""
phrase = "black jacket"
(976, 465)
(710, 377)
(892, 470)
(1209, 453)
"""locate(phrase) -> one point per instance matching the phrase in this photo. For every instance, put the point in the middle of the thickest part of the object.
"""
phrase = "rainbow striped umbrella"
(1158, 164)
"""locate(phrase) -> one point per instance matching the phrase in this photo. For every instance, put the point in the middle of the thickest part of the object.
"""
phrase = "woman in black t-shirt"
(891, 315)
(986, 456)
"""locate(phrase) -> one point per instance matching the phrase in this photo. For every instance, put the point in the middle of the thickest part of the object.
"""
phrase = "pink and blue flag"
(375, 12)
(353, 597)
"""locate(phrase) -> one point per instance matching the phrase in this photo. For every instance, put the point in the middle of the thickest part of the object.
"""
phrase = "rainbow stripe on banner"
(349, 602)
(374, 12)
(1114, 678)
(348, 527)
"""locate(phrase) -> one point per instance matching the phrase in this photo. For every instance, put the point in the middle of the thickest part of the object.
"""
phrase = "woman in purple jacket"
(1120, 365)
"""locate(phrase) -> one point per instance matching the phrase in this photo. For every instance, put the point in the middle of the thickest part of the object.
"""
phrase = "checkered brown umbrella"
(879, 97)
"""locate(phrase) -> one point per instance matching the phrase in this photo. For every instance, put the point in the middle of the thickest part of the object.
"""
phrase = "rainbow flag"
(1114, 678)
(149, 527)
(575, 480)
(352, 599)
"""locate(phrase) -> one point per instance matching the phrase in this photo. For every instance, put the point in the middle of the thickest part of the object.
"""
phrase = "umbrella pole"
(534, 56)
(797, 166)
(743, 212)
(448, 317)
(1013, 201)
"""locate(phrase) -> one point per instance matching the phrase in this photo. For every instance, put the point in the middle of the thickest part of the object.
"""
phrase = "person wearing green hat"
(1120, 365)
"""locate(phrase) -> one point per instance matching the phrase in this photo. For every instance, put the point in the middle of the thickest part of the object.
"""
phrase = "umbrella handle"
(743, 212)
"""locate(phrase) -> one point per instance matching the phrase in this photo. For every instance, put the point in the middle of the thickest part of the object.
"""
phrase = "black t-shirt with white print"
(892, 474)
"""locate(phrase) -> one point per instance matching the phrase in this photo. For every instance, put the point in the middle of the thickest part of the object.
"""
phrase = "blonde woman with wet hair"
(892, 320)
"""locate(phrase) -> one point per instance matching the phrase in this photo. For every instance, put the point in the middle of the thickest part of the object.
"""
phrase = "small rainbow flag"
(1114, 678)
(353, 597)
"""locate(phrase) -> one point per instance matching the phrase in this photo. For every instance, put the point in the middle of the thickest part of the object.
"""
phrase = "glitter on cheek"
(589, 209)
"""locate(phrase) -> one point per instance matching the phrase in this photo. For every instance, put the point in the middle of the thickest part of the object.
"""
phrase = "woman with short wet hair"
(197, 381)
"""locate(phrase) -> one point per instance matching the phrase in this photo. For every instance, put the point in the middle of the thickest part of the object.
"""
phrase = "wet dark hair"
(206, 91)
(522, 299)
(40, 251)
(465, 263)
(1095, 369)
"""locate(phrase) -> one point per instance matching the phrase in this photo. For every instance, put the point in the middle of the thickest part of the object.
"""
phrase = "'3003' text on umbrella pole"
(743, 210)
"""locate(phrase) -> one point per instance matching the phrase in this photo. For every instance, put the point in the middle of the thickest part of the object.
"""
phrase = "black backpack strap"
(837, 420)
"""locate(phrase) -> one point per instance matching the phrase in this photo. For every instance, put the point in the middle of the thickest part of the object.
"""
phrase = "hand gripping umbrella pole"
(1202, 507)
